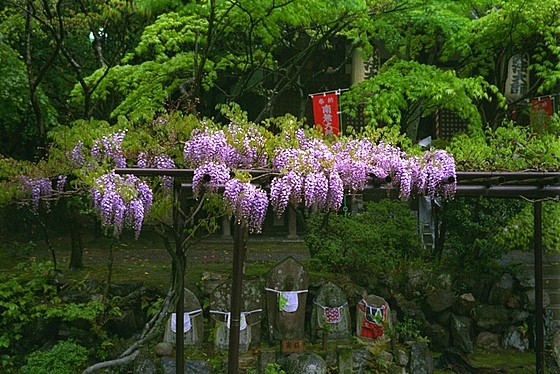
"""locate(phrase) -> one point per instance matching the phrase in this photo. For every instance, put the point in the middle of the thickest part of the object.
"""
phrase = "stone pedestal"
(250, 319)
(373, 316)
(193, 322)
(286, 298)
(330, 314)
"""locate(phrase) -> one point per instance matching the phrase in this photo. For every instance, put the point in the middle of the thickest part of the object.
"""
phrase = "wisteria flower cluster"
(77, 156)
(158, 162)
(209, 177)
(236, 147)
(39, 188)
(441, 176)
(108, 147)
(214, 153)
(309, 171)
(122, 201)
(248, 202)
(306, 174)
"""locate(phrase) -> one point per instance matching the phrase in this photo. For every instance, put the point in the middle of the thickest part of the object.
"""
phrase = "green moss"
(512, 362)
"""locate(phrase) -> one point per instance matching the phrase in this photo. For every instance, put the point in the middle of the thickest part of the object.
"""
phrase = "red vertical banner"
(544, 104)
(325, 111)
(541, 111)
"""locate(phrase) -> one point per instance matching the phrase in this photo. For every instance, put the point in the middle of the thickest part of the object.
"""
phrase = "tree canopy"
(222, 86)
(109, 59)
(82, 74)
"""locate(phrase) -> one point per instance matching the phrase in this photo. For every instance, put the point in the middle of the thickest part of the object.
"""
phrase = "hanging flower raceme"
(441, 176)
(305, 175)
(236, 147)
(214, 153)
(209, 177)
(158, 162)
(123, 201)
(77, 156)
(110, 147)
(39, 189)
(206, 145)
(309, 170)
(248, 202)
(248, 146)
(284, 190)
(353, 163)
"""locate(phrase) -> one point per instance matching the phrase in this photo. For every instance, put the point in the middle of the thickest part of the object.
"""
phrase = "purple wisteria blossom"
(307, 170)
(158, 162)
(248, 203)
(110, 147)
(123, 201)
(77, 156)
(39, 189)
(216, 174)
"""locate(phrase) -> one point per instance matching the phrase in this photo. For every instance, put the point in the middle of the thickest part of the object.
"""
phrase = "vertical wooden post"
(539, 310)
(292, 222)
(239, 251)
(226, 227)
(180, 287)
(180, 323)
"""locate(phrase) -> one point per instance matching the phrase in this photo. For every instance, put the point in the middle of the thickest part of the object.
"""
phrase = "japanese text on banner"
(325, 111)
(541, 111)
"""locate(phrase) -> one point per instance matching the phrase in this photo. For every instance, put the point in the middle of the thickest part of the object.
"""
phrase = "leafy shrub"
(518, 232)
(23, 298)
(508, 147)
(472, 228)
(64, 358)
(31, 307)
(379, 239)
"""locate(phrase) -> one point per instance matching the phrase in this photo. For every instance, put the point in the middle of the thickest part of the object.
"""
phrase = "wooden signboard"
(292, 345)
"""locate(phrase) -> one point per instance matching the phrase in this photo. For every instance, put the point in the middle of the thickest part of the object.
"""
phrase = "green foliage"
(274, 369)
(19, 133)
(24, 298)
(13, 90)
(381, 238)
(214, 53)
(409, 329)
(518, 232)
(31, 296)
(508, 148)
(502, 28)
(24, 249)
(151, 307)
(405, 91)
(66, 357)
(472, 227)
(89, 311)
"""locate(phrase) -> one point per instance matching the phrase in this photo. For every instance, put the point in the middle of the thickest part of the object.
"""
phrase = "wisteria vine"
(122, 200)
(311, 172)
(303, 169)
(158, 162)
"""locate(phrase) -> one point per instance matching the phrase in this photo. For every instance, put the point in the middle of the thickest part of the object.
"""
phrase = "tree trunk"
(77, 248)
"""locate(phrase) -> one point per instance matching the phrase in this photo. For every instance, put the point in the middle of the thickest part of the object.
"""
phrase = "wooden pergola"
(535, 186)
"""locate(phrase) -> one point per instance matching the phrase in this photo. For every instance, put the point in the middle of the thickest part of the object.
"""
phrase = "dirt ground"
(145, 258)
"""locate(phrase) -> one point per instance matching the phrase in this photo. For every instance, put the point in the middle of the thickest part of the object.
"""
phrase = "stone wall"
(486, 312)
(490, 312)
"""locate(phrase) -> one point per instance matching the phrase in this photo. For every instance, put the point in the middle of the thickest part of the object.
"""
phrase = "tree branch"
(107, 364)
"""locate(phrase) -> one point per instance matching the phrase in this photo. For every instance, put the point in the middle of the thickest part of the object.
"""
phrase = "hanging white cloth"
(186, 320)
(243, 317)
(288, 301)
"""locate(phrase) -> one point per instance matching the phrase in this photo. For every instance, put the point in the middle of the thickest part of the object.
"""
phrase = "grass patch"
(511, 362)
